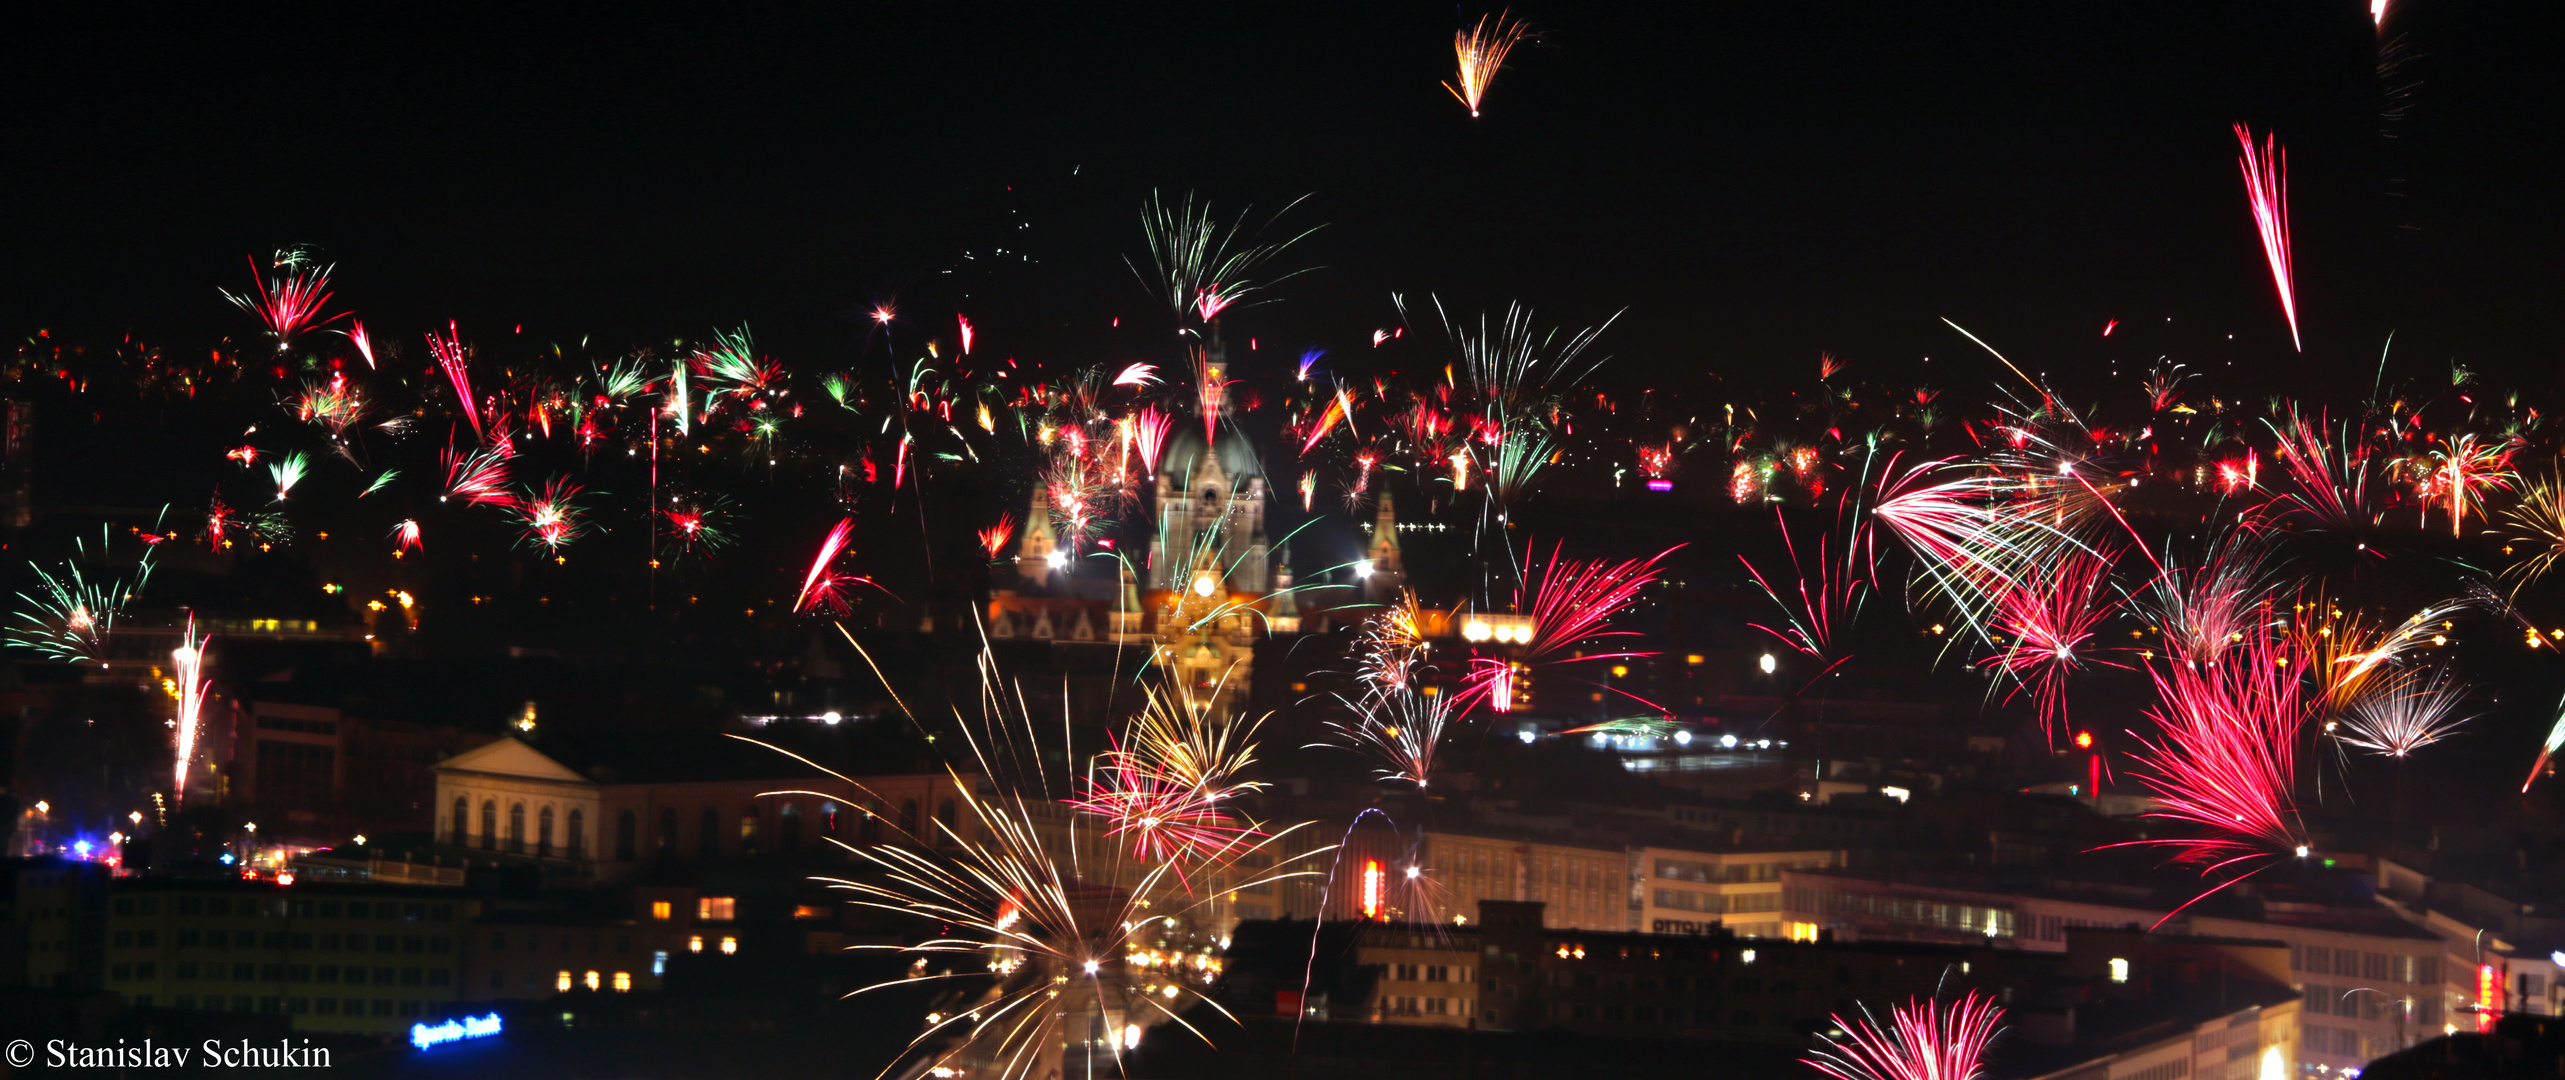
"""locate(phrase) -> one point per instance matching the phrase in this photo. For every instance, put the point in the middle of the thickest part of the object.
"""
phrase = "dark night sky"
(1754, 182)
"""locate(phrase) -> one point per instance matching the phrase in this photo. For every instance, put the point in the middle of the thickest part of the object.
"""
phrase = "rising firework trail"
(2266, 190)
(189, 661)
(455, 360)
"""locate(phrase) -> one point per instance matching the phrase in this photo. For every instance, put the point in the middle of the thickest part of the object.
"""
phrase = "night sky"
(1753, 182)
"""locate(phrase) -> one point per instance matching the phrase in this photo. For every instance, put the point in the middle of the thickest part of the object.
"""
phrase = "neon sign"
(2489, 996)
(1371, 888)
(469, 1027)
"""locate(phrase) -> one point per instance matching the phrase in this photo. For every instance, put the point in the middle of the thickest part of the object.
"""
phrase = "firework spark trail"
(2351, 652)
(2555, 739)
(1390, 646)
(2403, 714)
(70, 616)
(1839, 588)
(2049, 620)
(1481, 51)
(1972, 536)
(189, 661)
(1203, 266)
(1139, 375)
(1149, 436)
(287, 472)
(364, 343)
(405, 535)
(1569, 606)
(1923, 1040)
(1401, 726)
(478, 476)
(2224, 758)
(2266, 188)
(289, 302)
(1048, 928)
(824, 588)
(2537, 521)
(2462, 469)
(2330, 487)
(993, 539)
(456, 360)
(2205, 608)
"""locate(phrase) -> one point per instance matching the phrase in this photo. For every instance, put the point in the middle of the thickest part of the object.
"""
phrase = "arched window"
(627, 830)
(708, 833)
(462, 821)
(573, 843)
(667, 829)
(516, 828)
(543, 833)
(872, 821)
(788, 828)
(832, 820)
(489, 825)
(908, 818)
(748, 831)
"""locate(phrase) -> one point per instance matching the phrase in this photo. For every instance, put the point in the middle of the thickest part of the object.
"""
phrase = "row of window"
(354, 974)
(1718, 903)
(1965, 918)
(201, 938)
(2339, 1042)
(1431, 973)
(277, 907)
(1670, 1016)
(1730, 873)
(2377, 966)
(300, 1006)
(846, 823)
(1406, 1005)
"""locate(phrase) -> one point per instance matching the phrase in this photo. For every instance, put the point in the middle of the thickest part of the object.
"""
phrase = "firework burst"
(1481, 50)
(825, 588)
(2403, 714)
(1923, 1040)
(288, 300)
(189, 663)
(551, 515)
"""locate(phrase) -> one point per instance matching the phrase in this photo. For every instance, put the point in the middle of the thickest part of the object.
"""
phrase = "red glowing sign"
(1371, 888)
(2489, 996)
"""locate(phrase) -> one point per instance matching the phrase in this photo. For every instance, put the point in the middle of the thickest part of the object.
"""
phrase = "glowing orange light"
(1371, 888)
(2489, 996)
(2084, 740)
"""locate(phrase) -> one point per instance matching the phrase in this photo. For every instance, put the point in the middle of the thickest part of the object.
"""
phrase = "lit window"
(695, 943)
(563, 983)
(716, 908)
(1746, 957)
(623, 982)
(729, 946)
(594, 981)
(2119, 970)
(659, 962)
(662, 910)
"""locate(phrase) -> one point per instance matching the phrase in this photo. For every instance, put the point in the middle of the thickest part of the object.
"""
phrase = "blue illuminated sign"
(470, 1027)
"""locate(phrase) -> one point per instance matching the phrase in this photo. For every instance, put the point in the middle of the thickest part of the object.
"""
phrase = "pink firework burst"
(1149, 436)
(288, 301)
(1924, 1039)
(2224, 758)
(2266, 188)
(405, 536)
(825, 588)
(1162, 818)
(1570, 605)
(2047, 622)
(993, 539)
(455, 360)
(477, 476)
(551, 515)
